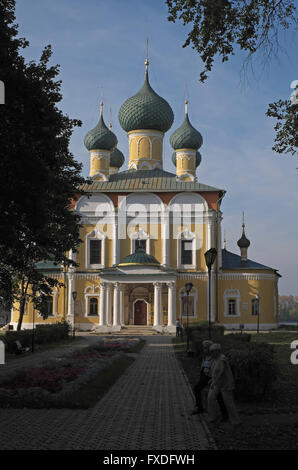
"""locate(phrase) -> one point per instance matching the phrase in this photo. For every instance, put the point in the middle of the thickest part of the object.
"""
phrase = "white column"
(71, 288)
(157, 305)
(122, 294)
(116, 319)
(165, 238)
(109, 304)
(212, 282)
(103, 304)
(171, 307)
(116, 242)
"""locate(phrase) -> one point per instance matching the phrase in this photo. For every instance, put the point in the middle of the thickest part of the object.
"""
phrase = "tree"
(222, 27)
(286, 113)
(38, 174)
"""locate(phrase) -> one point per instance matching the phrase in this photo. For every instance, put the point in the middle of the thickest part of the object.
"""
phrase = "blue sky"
(101, 47)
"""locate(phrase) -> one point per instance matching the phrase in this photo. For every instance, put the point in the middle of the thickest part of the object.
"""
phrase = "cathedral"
(145, 232)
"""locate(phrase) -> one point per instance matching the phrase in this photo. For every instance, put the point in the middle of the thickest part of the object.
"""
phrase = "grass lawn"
(271, 424)
(93, 390)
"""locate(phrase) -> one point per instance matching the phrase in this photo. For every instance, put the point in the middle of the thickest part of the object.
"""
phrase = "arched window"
(188, 303)
(255, 306)
(232, 303)
(232, 307)
(93, 306)
(186, 250)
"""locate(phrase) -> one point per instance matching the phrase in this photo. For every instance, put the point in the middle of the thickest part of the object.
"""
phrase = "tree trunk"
(22, 310)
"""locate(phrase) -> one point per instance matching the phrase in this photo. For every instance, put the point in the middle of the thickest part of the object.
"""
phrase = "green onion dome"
(186, 136)
(100, 138)
(139, 257)
(146, 110)
(198, 158)
(117, 158)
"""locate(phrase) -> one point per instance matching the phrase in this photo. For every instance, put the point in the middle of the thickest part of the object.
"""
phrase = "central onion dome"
(100, 137)
(139, 257)
(116, 158)
(146, 110)
(186, 136)
(198, 158)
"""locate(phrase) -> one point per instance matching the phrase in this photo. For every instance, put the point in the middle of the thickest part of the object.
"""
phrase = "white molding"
(99, 174)
(231, 294)
(186, 235)
(94, 234)
(193, 293)
(87, 275)
(191, 276)
(140, 235)
(247, 276)
(91, 291)
(250, 326)
(183, 176)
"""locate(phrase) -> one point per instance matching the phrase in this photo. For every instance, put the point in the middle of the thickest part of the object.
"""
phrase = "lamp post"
(74, 296)
(34, 290)
(188, 288)
(258, 312)
(210, 256)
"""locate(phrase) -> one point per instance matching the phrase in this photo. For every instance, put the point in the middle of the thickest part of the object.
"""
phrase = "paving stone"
(148, 408)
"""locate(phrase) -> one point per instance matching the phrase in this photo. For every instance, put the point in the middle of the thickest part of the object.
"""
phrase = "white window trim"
(140, 235)
(91, 291)
(186, 235)
(193, 293)
(231, 294)
(95, 234)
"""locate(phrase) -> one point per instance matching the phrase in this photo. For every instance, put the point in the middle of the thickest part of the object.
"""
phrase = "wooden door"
(140, 312)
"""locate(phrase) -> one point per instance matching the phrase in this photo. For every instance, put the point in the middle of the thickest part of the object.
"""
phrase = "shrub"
(254, 370)
(203, 327)
(24, 336)
(51, 333)
(43, 334)
(253, 364)
(239, 336)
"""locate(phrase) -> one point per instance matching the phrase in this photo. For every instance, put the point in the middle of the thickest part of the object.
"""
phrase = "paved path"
(147, 408)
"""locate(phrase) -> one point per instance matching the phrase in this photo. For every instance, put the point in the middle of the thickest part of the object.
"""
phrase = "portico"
(133, 293)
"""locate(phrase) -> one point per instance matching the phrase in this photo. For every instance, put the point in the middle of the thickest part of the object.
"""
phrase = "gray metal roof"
(146, 181)
(233, 261)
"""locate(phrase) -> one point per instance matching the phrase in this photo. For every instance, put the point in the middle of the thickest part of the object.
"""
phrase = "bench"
(19, 348)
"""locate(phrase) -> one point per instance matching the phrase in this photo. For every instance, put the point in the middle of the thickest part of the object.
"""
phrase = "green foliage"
(203, 328)
(286, 113)
(246, 337)
(42, 334)
(253, 364)
(219, 27)
(254, 370)
(10, 337)
(51, 333)
(38, 174)
(288, 308)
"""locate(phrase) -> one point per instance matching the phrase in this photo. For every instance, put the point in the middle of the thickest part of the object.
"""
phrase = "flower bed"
(51, 384)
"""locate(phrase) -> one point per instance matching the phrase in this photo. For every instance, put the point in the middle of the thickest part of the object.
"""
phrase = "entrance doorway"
(140, 312)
